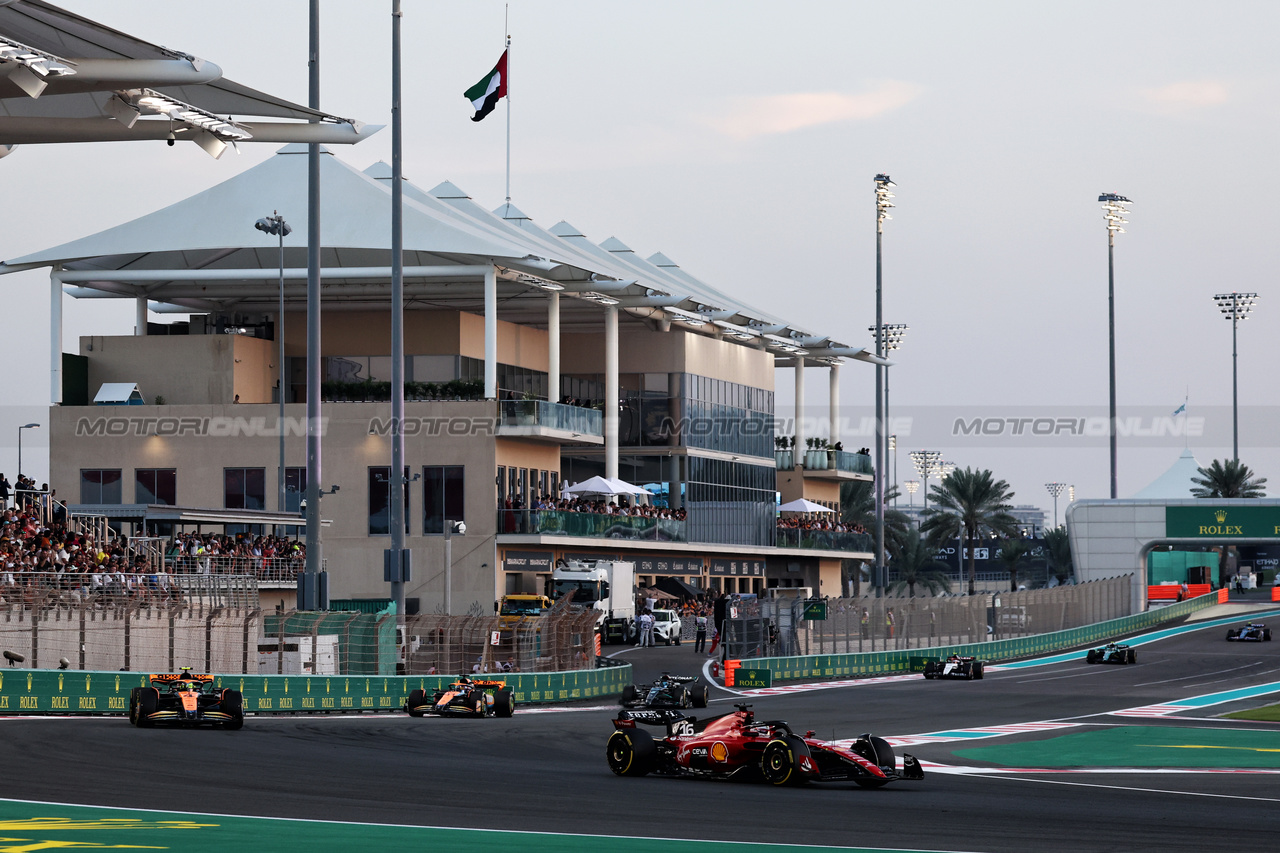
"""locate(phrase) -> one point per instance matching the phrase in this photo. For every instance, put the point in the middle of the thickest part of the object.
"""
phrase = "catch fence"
(779, 627)
(553, 642)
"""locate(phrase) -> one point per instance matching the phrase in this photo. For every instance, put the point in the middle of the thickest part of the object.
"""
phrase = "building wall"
(677, 351)
(211, 438)
(208, 374)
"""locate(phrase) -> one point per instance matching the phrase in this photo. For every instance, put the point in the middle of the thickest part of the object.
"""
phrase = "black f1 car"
(737, 744)
(669, 691)
(187, 700)
(954, 666)
(466, 697)
(1112, 653)
(1250, 633)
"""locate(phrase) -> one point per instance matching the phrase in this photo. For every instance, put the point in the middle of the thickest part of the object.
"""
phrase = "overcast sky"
(741, 138)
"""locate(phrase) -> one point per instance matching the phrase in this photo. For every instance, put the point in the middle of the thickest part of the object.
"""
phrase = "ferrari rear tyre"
(504, 703)
(629, 693)
(417, 698)
(780, 761)
(148, 701)
(631, 753)
(701, 694)
(233, 704)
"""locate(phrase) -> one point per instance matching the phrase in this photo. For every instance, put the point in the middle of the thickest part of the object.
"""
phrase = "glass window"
(156, 486)
(295, 488)
(442, 496)
(380, 500)
(244, 488)
(100, 486)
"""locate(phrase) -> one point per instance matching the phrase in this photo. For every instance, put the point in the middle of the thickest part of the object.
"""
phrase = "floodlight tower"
(925, 462)
(891, 334)
(1055, 489)
(883, 206)
(912, 486)
(1235, 307)
(1114, 209)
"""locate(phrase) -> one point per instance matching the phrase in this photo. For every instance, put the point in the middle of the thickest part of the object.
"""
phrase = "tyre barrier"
(903, 661)
(35, 691)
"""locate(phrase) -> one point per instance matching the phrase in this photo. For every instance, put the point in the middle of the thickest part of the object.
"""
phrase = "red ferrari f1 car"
(738, 745)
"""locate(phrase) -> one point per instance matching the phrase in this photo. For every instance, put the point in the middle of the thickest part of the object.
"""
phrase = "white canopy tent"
(610, 486)
(803, 505)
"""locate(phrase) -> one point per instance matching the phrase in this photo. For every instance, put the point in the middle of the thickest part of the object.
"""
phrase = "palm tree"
(858, 506)
(971, 502)
(1012, 551)
(1057, 546)
(913, 559)
(1229, 478)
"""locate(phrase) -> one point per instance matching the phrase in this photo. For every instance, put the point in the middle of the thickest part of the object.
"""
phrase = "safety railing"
(823, 540)
(558, 416)
(592, 525)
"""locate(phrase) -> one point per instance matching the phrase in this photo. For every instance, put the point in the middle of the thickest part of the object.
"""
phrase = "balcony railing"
(592, 525)
(823, 540)
(828, 460)
(557, 416)
(266, 569)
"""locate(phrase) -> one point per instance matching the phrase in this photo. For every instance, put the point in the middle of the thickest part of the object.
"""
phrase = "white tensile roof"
(1174, 483)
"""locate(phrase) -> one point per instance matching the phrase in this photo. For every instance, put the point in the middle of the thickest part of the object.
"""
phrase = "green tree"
(914, 561)
(1057, 546)
(971, 502)
(1228, 478)
(1012, 553)
(858, 507)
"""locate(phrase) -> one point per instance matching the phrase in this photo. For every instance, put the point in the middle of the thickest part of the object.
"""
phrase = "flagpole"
(506, 26)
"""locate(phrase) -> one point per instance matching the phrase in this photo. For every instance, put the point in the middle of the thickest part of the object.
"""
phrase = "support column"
(140, 315)
(55, 337)
(833, 417)
(553, 348)
(611, 391)
(797, 454)
(491, 334)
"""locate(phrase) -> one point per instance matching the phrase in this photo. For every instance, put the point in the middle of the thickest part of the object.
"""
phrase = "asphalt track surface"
(544, 770)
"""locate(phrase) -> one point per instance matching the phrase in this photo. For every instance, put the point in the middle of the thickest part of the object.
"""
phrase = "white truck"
(608, 586)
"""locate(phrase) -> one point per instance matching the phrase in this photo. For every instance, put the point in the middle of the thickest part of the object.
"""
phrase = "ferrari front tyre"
(504, 703)
(417, 698)
(148, 702)
(878, 752)
(701, 694)
(233, 704)
(631, 753)
(780, 761)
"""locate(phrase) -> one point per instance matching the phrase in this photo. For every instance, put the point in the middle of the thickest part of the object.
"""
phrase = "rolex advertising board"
(1222, 522)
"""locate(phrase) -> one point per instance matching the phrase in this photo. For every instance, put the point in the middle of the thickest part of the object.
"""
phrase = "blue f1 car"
(1250, 633)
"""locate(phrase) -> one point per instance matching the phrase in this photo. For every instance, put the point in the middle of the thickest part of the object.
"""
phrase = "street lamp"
(1235, 307)
(20, 429)
(450, 528)
(1055, 489)
(277, 227)
(1114, 210)
(883, 206)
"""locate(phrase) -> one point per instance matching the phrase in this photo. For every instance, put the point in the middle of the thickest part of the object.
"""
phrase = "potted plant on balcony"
(782, 452)
(816, 456)
(527, 409)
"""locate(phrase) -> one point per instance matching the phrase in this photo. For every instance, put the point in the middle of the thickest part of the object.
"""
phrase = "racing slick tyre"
(1092, 656)
(504, 703)
(701, 693)
(148, 701)
(629, 694)
(1130, 656)
(977, 669)
(878, 752)
(417, 698)
(631, 753)
(1266, 634)
(1233, 633)
(133, 705)
(233, 704)
(780, 761)
(931, 669)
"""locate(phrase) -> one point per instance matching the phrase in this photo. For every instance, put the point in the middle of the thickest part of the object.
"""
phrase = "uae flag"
(484, 96)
